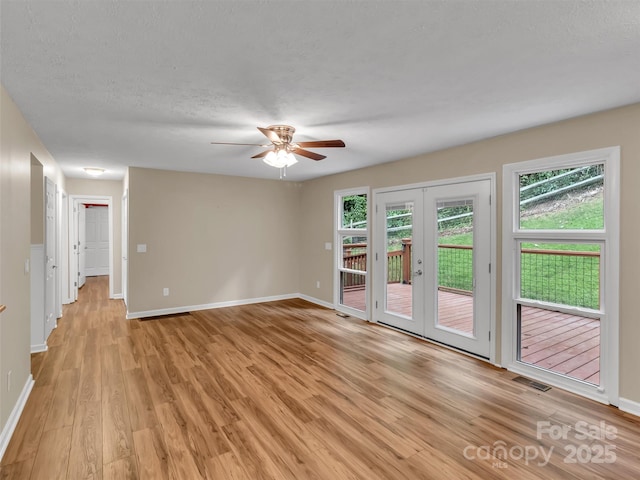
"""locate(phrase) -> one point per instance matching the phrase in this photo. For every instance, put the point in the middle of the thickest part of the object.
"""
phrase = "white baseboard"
(39, 348)
(629, 406)
(117, 296)
(208, 306)
(12, 421)
(317, 301)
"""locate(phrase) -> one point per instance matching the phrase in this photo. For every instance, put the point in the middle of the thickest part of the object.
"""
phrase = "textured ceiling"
(151, 84)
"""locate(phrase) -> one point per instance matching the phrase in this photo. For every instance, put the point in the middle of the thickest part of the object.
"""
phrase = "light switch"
(327, 246)
(142, 248)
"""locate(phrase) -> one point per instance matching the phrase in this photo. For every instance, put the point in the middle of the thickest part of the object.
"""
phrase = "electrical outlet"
(318, 284)
(9, 381)
(165, 292)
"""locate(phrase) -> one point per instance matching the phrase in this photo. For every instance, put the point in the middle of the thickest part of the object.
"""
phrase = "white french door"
(432, 265)
(458, 287)
(398, 260)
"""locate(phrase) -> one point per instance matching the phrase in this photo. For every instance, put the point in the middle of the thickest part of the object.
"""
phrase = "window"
(352, 247)
(560, 319)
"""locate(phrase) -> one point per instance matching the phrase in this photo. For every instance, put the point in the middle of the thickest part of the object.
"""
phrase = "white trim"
(74, 200)
(12, 421)
(629, 406)
(437, 183)
(607, 392)
(559, 381)
(317, 301)
(234, 303)
(208, 306)
(117, 296)
(338, 233)
(39, 348)
(37, 321)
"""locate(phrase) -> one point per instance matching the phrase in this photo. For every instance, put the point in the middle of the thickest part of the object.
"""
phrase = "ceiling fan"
(282, 147)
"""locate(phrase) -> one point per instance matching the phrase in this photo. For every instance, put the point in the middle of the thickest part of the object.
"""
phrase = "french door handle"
(417, 273)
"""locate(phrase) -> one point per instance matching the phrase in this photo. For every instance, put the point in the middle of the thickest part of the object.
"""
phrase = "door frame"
(51, 293)
(125, 246)
(74, 201)
(491, 176)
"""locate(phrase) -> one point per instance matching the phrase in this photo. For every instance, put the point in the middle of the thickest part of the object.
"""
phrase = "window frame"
(338, 268)
(608, 237)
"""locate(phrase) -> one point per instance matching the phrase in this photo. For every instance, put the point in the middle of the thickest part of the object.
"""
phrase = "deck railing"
(558, 276)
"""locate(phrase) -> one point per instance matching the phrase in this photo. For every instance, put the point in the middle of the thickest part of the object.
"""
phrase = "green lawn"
(566, 279)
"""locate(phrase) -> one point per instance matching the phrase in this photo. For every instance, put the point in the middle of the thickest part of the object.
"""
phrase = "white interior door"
(398, 260)
(458, 246)
(82, 244)
(97, 241)
(50, 257)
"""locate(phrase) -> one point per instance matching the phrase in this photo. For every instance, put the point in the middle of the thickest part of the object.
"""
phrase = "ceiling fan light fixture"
(94, 171)
(280, 159)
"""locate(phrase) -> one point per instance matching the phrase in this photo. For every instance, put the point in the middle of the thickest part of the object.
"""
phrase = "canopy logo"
(586, 443)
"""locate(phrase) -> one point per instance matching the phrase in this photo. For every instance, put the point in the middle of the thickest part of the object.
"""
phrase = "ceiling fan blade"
(321, 144)
(271, 135)
(263, 154)
(308, 154)
(247, 144)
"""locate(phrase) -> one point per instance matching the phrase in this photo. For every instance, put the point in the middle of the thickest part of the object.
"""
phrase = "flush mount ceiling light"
(94, 171)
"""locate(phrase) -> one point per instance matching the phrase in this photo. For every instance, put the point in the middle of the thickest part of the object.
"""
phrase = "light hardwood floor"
(287, 390)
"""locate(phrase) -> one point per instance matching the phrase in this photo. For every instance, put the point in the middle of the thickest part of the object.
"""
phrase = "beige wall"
(210, 238)
(614, 127)
(113, 189)
(17, 143)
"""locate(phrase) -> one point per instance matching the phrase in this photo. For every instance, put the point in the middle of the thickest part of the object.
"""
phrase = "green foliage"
(354, 209)
(530, 179)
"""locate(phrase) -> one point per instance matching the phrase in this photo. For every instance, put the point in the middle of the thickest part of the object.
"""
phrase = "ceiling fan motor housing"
(285, 132)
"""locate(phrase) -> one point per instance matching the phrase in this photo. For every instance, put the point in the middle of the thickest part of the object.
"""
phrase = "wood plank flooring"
(563, 343)
(286, 390)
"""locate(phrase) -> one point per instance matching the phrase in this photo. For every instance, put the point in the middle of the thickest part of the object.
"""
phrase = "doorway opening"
(90, 245)
(434, 250)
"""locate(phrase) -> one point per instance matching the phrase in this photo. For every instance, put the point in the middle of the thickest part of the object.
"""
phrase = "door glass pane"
(455, 266)
(565, 274)
(354, 253)
(567, 199)
(354, 211)
(353, 290)
(399, 230)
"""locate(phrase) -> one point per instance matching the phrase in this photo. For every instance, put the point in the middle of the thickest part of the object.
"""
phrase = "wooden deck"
(559, 342)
